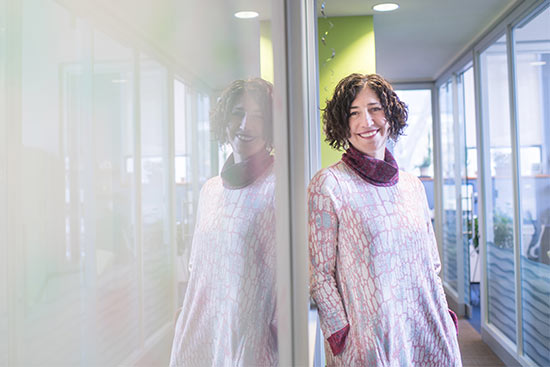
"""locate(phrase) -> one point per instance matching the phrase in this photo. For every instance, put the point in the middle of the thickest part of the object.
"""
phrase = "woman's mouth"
(368, 134)
(245, 138)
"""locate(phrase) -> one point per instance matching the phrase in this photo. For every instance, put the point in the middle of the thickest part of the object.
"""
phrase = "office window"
(107, 201)
(532, 61)
(500, 208)
(414, 150)
(448, 141)
(56, 294)
(468, 172)
(112, 150)
(155, 186)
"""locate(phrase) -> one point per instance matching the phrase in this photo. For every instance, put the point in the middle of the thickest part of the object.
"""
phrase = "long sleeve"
(323, 243)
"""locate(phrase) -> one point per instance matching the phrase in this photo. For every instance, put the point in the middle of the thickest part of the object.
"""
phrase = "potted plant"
(426, 162)
(503, 228)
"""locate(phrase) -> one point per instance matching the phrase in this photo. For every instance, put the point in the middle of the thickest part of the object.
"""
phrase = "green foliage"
(474, 233)
(503, 227)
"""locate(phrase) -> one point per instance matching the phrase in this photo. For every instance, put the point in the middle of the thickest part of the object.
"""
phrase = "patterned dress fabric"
(228, 316)
(374, 265)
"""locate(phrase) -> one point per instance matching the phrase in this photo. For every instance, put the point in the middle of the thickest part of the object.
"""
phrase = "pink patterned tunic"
(374, 265)
(228, 314)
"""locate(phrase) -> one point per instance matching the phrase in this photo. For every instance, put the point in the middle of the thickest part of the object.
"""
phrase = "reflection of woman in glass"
(228, 314)
(373, 257)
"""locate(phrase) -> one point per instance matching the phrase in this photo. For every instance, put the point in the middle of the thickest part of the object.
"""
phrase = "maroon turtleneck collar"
(375, 171)
(239, 175)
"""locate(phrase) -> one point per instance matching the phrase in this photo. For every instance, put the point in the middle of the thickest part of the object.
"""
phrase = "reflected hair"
(261, 92)
(337, 111)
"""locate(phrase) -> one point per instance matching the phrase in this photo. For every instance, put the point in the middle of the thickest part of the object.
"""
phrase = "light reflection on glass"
(228, 314)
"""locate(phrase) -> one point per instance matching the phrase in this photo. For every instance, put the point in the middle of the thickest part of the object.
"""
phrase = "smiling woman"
(228, 314)
(361, 101)
(374, 261)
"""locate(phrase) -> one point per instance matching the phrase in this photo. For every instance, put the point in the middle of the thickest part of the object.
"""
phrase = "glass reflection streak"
(228, 315)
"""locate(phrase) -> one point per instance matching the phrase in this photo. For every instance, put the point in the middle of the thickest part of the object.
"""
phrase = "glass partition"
(468, 197)
(532, 61)
(57, 301)
(470, 226)
(414, 150)
(147, 197)
(499, 202)
(155, 205)
(448, 141)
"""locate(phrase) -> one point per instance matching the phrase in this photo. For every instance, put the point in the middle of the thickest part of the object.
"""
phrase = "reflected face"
(368, 126)
(245, 128)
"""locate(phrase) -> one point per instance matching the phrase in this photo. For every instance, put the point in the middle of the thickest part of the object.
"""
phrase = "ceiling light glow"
(385, 7)
(538, 63)
(246, 14)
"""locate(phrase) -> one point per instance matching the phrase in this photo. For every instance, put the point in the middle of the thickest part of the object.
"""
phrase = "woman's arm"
(323, 243)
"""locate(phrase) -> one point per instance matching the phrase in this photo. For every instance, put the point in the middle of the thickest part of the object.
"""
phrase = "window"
(532, 62)
(414, 150)
(499, 205)
(448, 141)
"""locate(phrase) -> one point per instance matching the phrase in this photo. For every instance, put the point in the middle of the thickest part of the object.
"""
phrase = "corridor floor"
(475, 353)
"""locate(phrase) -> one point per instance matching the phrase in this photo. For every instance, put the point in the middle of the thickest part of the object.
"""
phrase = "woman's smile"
(368, 134)
(245, 138)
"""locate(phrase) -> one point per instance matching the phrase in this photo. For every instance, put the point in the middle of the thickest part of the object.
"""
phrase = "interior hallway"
(475, 353)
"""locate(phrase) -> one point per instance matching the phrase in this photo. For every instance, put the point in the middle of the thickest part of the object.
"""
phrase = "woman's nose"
(244, 121)
(368, 118)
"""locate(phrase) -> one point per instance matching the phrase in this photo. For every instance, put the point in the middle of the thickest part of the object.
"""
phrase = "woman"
(373, 256)
(228, 313)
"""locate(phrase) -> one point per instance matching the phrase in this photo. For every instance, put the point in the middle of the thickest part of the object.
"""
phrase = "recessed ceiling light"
(538, 63)
(246, 14)
(385, 7)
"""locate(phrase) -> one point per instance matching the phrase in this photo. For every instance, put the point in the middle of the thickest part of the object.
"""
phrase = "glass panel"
(56, 299)
(80, 292)
(115, 320)
(157, 262)
(500, 206)
(470, 226)
(532, 54)
(102, 189)
(466, 119)
(225, 222)
(450, 271)
(414, 150)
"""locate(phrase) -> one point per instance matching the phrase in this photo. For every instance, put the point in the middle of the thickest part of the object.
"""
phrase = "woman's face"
(245, 128)
(368, 127)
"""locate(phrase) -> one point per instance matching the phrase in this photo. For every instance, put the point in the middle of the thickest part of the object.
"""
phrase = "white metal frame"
(292, 172)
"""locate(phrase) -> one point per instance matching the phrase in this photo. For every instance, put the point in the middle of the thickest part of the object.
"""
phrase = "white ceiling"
(420, 39)
(414, 43)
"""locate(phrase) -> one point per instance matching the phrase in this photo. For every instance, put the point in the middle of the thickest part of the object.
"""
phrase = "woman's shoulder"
(409, 178)
(411, 183)
(329, 175)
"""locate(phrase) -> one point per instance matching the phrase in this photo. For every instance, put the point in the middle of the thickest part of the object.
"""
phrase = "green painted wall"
(352, 39)
(266, 51)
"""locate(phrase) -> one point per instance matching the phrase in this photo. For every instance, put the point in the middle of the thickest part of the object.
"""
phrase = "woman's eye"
(376, 109)
(353, 113)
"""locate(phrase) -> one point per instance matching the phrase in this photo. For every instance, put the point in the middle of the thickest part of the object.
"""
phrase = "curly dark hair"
(337, 111)
(260, 90)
